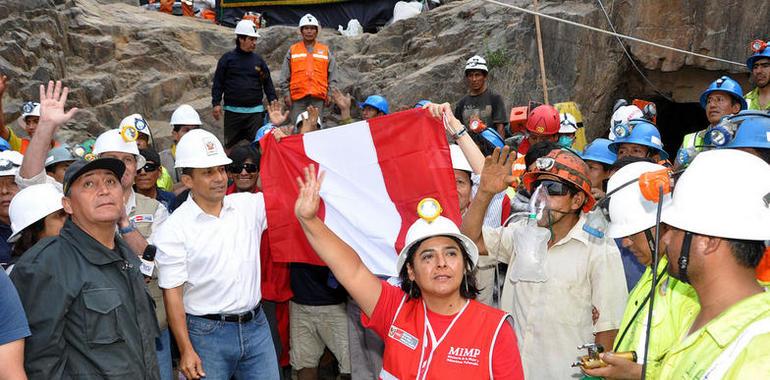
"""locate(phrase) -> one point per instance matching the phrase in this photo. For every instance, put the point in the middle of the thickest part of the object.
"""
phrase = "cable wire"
(653, 290)
(630, 38)
(628, 55)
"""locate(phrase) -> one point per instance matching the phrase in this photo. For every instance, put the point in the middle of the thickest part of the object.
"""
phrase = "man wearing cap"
(307, 72)
(243, 78)
(57, 161)
(184, 119)
(553, 317)
(373, 106)
(715, 249)
(480, 104)
(759, 66)
(567, 130)
(723, 97)
(143, 138)
(209, 262)
(638, 138)
(85, 298)
(9, 165)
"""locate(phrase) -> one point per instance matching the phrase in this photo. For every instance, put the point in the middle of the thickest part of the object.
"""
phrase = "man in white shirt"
(208, 256)
(555, 316)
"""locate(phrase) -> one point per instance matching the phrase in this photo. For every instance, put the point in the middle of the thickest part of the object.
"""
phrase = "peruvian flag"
(376, 172)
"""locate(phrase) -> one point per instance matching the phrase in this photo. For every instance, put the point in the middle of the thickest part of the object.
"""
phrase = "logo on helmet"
(210, 146)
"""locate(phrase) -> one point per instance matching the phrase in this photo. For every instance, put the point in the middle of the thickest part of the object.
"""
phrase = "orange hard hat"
(543, 120)
(566, 166)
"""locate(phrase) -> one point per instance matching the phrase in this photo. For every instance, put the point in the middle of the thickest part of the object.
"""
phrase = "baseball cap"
(80, 167)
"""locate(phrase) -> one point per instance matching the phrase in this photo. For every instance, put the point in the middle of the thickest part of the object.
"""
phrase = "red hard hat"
(543, 120)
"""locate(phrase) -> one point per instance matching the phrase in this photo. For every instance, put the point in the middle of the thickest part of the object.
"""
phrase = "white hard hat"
(459, 162)
(185, 115)
(114, 141)
(32, 204)
(246, 28)
(622, 115)
(137, 121)
(306, 115)
(309, 20)
(30, 109)
(476, 62)
(567, 123)
(630, 212)
(200, 149)
(431, 224)
(10, 161)
(742, 213)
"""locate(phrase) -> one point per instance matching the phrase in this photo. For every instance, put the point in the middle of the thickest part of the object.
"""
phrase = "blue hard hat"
(421, 103)
(261, 132)
(377, 102)
(4, 145)
(640, 132)
(493, 137)
(725, 84)
(753, 130)
(599, 151)
(763, 53)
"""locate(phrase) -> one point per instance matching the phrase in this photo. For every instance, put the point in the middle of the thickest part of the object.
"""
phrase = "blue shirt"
(13, 321)
(5, 246)
(167, 199)
(631, 266)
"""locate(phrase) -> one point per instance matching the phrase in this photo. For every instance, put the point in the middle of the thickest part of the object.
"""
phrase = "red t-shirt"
(506, 361)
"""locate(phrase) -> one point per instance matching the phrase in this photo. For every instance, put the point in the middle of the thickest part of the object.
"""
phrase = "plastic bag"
(530, 243)
(354, 29)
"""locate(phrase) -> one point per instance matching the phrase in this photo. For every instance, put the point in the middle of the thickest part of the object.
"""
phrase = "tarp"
(371, 14)
(245, 3)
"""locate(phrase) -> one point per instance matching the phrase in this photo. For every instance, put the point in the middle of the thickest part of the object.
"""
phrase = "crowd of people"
(128, 263)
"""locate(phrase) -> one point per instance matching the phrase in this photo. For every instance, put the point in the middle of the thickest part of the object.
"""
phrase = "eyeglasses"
(249, 168)
(553, 188)
(148, 168)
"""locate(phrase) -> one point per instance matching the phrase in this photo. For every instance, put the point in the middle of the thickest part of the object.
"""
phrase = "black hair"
(28, 238)
(241, 153)
(538, 150)
(763, 153)
(187, 171)
(468, 287)
(748, 253)
(621, 162)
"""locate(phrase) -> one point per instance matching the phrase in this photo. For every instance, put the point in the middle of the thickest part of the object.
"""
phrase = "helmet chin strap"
(684, 257)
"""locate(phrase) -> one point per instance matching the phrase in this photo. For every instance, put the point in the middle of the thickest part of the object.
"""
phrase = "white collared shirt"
(215, 258)
(554, 317)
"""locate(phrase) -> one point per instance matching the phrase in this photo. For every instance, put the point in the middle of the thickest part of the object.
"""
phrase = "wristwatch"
(128, 229)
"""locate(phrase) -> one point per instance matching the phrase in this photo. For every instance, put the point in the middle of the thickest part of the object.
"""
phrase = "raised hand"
(309, 199)
(496, 174)
(341, 100)
(310, 123)
(442, 111)
(52, 101)
(276, 113)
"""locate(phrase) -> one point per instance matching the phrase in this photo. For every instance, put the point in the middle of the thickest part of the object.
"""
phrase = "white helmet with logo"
(137, 121)
(309, 20)
(30, 109)
(567, 123)
(742, 213)
(32, 204)
(246, 28)
(185, 115)
(630, 212)
(117, 140)
(476, 62)
(432, 224)
(200, 149)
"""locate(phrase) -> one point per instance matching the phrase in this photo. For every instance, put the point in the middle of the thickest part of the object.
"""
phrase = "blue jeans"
(234, 350)
(163, 350)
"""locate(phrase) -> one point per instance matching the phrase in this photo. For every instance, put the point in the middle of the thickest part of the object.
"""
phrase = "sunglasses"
(148, 168)
(249, 168)
(553, 188)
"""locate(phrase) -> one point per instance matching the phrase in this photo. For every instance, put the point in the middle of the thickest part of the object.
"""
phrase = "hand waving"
(309, 199)
(496, 175)
(52, 100)
(276, 113)
(311, 123)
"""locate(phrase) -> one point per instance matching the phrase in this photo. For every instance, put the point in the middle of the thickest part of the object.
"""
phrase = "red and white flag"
(376, 173)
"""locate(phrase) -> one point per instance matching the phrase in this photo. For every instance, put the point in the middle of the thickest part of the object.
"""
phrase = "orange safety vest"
(412, 351)
(309, 72)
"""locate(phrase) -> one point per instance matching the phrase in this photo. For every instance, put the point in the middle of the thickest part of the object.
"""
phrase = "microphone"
(148, 260)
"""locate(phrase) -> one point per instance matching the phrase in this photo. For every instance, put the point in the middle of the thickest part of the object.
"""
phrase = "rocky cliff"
(120, 59)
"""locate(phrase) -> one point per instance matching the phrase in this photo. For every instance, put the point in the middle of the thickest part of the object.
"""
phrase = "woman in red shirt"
(432, 326)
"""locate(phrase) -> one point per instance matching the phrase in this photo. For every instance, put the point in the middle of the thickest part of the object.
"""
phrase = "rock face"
(120, 59)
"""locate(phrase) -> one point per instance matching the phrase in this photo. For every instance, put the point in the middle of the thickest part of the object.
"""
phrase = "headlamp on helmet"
(429, 209)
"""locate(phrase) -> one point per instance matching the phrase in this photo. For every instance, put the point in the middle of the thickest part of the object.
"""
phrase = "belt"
(239, 318)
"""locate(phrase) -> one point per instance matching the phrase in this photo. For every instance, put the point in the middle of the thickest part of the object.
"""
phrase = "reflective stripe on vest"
(309, 71)
(726, 359)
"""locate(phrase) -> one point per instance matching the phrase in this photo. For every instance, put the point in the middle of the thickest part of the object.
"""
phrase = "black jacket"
(88, 308)
(243, 78)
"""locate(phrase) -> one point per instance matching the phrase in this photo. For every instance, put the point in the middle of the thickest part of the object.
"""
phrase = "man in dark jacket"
(88, 307)
(244, 79)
